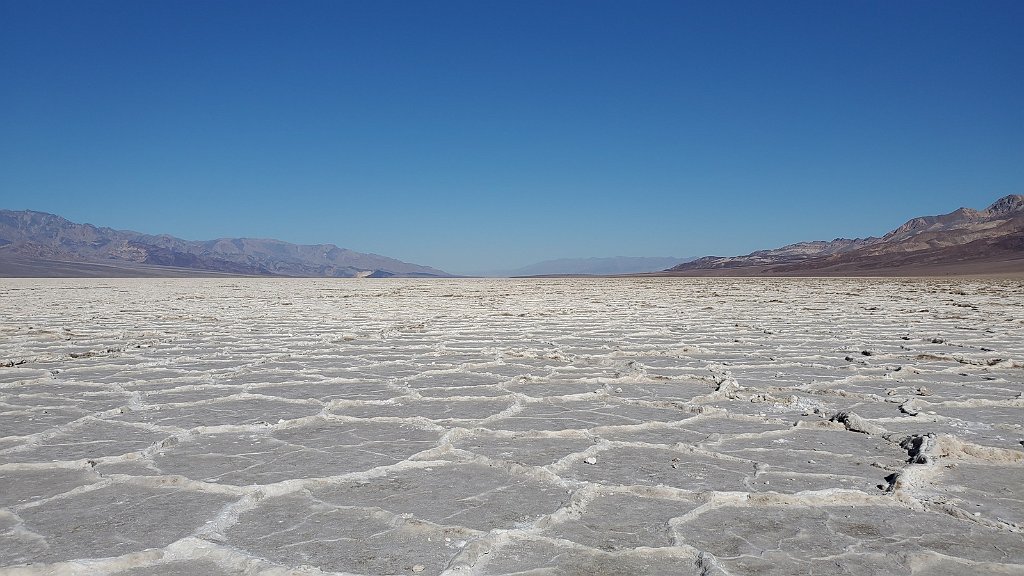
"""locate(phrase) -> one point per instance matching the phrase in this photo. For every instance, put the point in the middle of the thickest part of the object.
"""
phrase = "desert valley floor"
(495, 427)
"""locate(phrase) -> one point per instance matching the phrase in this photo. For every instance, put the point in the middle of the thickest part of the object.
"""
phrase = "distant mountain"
(963, 241)
(595, 266)
(41, 244)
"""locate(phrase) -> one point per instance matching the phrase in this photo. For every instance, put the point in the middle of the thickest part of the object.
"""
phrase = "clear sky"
(474, 135)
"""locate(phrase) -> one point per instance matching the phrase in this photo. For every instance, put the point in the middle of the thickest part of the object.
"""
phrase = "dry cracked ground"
(495, 427)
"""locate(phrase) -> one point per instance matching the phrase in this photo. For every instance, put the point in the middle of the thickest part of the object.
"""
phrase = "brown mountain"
(965, 241)
(41, 244)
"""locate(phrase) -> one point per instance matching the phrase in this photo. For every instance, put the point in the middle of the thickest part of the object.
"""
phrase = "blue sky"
(485, 135)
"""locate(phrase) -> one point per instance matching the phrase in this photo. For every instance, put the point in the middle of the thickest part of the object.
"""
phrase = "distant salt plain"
(492, 427)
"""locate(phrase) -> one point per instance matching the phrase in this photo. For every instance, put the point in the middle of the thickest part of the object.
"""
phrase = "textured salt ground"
(644, 426)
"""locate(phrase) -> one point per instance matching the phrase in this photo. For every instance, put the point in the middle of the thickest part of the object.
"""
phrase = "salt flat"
(492, 427)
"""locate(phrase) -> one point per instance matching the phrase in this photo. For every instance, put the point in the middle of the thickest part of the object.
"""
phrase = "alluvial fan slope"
(479, 427)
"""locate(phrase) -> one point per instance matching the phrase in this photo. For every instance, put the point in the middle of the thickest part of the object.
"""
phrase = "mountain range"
(965, 241)
(594, 266)
(37, 244)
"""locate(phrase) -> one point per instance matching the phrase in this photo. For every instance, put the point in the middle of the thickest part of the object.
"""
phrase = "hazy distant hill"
(596, 266)
(963, 241)
(41, 244)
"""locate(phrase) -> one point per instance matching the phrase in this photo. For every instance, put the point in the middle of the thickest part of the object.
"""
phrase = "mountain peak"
(1007, 205)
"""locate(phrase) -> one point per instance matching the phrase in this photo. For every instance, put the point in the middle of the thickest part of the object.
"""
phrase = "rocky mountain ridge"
(40, 241)
(967, 239)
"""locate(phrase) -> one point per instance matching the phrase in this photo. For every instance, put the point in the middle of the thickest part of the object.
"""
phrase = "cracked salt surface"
(498, 427)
